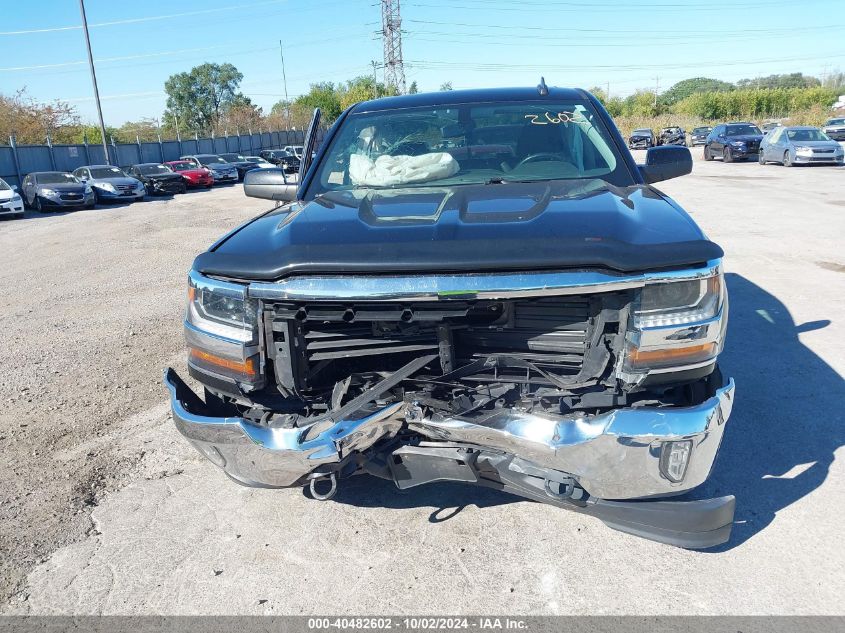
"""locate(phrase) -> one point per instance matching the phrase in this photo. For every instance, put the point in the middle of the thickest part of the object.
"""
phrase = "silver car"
(835, 129)
(110, 183)
(799, 145)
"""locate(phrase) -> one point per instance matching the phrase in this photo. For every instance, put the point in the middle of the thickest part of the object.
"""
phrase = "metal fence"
(16, 161)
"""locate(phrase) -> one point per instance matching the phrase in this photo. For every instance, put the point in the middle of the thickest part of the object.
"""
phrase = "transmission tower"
(391, 34)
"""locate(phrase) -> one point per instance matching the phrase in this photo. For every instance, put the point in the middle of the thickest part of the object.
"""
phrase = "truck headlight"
(221, 329)
(219, 313)
(676, 324)
(679, 302)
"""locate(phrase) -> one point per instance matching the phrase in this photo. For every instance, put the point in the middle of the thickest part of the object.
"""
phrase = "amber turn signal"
(671, 356)
(229, 367)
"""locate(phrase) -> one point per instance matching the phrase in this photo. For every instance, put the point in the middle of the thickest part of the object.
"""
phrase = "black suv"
(282, 158)
(672, 136)
(733, 141)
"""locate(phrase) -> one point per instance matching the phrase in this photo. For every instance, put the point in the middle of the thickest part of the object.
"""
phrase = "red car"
(194, 176)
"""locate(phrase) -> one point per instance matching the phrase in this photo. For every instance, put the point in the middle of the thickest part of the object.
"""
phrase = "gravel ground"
(105, 509)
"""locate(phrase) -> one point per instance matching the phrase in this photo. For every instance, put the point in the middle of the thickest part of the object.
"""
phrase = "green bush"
(747, 104)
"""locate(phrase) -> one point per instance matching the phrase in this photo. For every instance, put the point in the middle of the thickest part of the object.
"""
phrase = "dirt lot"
(105, 509)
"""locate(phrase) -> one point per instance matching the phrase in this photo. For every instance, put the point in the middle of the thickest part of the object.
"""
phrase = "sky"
(620, 44)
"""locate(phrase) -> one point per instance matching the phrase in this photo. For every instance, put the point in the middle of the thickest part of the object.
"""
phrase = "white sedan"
(11, 203)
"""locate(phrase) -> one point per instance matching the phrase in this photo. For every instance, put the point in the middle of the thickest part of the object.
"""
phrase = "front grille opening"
(528, 345)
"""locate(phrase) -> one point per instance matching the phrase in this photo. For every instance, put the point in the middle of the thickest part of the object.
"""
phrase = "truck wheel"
(787, 162)
(707, 154)
(727, 155)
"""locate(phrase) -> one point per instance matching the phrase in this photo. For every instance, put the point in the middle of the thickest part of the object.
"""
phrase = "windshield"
(4, 186)
(255, 159)
(151, 170)
(205, 159)
(701, 130)
(55, 178)
(807, 135)
(836, 122)
(233, 158)
(742, 130)
(182, 166)
(643, 132)
(473, 143)
(106, 172)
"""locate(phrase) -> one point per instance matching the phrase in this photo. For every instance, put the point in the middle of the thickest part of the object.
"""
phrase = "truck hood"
(469, 228)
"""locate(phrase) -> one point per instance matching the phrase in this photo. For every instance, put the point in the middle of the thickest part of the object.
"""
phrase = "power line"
(615, 32)
(150, 18)
(492, 66)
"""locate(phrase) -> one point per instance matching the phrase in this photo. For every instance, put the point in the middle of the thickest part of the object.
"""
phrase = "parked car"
(260, 162)
(110, 183)
(672, 135)
(835, 129)
(504, 321)
(282, 158)
(158, 178)
(53, 190)
(221, 170)
(641, 139)
(769, 126)
(294, 150)
(733, 141)
(698, 136)
(192, 175)
(240, 163)
(800, 145)
(11, 203)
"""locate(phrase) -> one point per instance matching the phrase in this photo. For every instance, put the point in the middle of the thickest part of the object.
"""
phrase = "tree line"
(208, 100)
(711, 99)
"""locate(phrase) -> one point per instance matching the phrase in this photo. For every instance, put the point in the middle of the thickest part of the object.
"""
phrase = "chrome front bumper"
(616, 455)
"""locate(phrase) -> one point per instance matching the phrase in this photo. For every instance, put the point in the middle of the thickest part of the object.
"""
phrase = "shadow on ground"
(786, 423)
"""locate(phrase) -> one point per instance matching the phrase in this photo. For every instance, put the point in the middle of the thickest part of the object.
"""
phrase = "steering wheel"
(531, 158)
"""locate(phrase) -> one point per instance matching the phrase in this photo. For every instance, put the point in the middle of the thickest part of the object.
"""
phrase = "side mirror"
(15, 188)
(665, 162)
(270, 184)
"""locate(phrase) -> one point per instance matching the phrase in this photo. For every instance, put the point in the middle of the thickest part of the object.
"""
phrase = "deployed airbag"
(387, 171)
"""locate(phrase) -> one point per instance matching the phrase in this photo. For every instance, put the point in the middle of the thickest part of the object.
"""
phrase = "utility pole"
(656, 90)
(94, 79)
(391, 34)
(375, 79)
(285, 82)
(607, 94)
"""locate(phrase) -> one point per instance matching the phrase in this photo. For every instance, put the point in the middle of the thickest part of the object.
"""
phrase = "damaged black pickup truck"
(475, 286)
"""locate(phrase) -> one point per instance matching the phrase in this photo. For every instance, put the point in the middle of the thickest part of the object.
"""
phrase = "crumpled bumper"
(616, 455)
